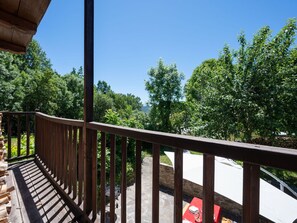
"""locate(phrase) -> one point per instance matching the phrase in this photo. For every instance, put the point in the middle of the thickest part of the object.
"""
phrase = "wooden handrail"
(18, 113)
(63, 121)
(278, 157)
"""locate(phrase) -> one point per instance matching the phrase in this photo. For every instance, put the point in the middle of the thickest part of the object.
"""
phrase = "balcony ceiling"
(19, 20)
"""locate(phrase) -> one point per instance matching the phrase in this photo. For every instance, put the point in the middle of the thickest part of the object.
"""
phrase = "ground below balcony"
(34, 198)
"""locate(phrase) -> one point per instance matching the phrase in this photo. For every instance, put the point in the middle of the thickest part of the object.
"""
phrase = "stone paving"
(166, 199)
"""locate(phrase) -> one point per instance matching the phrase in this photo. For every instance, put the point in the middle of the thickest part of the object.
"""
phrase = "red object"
(188, 215)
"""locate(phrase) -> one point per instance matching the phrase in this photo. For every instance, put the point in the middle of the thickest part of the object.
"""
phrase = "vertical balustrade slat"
(45, 143)
(9, 135)
(57, 142)
(36, 138)
(208, 188)
(74, 160)
(19, 135)
(70, 161)
(61, 155)
(65, 150)
(80, 167)
(251, 192)
(124, 180)
(39, 131)
(53, 144)
(94, 174)
(54, 139)
(28, 134)
(44, 140)
(138, 182)
(59, 152)
(112, 176)
(37, 134)
(178, 185)
(49, 140)
(156, 174)
(103, 176)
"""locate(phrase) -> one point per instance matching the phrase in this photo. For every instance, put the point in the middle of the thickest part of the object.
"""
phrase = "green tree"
(103, 87)
(41, 92)
(11, 89)
(247, 90)
(75, 85)
(165, 90)
(102, 103)
(34, 59)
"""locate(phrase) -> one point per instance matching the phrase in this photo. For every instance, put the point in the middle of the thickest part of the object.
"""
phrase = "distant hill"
(146, 109)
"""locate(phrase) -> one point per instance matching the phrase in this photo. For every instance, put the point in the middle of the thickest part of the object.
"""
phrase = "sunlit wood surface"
(34, 198)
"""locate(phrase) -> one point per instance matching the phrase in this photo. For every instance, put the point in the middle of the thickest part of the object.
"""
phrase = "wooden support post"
(88, 103)
(208, 188)
(251, 192)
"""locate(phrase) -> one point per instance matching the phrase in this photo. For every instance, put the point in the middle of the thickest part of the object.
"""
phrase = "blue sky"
(132, 35)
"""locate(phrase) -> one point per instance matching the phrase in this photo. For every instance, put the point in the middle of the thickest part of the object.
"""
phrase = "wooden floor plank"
(36, 199)
(28, 198)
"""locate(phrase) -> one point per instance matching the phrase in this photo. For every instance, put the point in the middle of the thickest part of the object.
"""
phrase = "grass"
(164, 159)
(23, 149)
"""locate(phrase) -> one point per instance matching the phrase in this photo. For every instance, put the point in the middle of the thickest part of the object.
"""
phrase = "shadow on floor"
(37, 199)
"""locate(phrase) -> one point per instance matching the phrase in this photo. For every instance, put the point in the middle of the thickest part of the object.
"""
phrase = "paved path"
(166, 199)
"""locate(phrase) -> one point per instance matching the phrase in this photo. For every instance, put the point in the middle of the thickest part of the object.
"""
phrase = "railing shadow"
(39, 200)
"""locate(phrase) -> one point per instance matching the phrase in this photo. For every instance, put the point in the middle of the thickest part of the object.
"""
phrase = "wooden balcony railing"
(19, 126)
(59, 151)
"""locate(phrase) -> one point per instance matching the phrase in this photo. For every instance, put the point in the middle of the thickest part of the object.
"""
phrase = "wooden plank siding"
(62, 161)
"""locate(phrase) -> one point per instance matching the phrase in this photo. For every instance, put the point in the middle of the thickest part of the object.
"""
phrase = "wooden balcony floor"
(34, 198)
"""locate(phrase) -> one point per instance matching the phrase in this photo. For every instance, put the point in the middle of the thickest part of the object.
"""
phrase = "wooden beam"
(88, 105)
(4, 45)
(13, 21)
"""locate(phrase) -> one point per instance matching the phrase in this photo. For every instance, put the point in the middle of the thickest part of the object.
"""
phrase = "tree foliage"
(247, 91)
(165, 91)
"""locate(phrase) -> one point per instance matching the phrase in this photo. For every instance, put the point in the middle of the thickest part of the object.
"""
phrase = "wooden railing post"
(112, 176)
(27, 134)
(178, 185)
(138, 182)
(9, 135)
(18, 135)
(251, 192)
(155, 189)
(208, 188)
(124, 181)
(103, 175)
